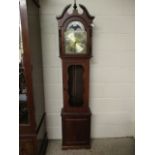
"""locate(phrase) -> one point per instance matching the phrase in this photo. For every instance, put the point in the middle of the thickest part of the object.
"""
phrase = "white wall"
(111, 68)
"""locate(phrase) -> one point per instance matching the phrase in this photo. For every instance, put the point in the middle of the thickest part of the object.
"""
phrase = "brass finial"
(75, 6)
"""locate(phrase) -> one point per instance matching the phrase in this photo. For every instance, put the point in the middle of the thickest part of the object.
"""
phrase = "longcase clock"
(75, 42)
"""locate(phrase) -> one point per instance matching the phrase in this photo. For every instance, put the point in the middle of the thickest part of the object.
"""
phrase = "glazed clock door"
(75, 85)
(26, 120)
(75, 38)
(23, 98)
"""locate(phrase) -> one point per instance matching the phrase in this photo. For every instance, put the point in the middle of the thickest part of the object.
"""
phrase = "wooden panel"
(76, 130)
(27, 146)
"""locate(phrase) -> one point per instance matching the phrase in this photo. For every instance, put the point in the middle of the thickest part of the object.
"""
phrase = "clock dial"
(75, 38)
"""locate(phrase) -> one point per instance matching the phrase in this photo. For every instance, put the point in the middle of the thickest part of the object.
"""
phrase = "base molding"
(75, 130)
(76, 147)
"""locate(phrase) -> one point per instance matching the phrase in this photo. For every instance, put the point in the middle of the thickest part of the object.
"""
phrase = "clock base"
(75, 130)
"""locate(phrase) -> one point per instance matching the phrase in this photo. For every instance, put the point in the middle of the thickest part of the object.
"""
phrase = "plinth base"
(75, 130)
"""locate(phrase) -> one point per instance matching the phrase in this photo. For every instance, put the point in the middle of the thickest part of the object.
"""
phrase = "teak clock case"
(75, 119)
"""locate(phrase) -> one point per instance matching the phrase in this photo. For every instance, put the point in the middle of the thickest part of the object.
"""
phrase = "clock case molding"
(76, 120)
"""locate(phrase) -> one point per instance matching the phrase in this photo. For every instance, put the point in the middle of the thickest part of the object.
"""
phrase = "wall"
(111, 68)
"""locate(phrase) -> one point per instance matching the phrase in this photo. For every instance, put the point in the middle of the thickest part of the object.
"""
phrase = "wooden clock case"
(75, 119)
(32, 133)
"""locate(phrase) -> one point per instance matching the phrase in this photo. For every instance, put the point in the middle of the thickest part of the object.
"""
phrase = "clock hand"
(79, 47)
(75, 47)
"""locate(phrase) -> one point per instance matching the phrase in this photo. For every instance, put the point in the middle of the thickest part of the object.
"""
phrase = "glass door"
(23, 103)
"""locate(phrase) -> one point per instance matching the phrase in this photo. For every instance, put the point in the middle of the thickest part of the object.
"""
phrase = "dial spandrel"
(75, 38)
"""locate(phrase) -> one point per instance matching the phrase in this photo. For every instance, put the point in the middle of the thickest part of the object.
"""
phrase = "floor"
(106, 146)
